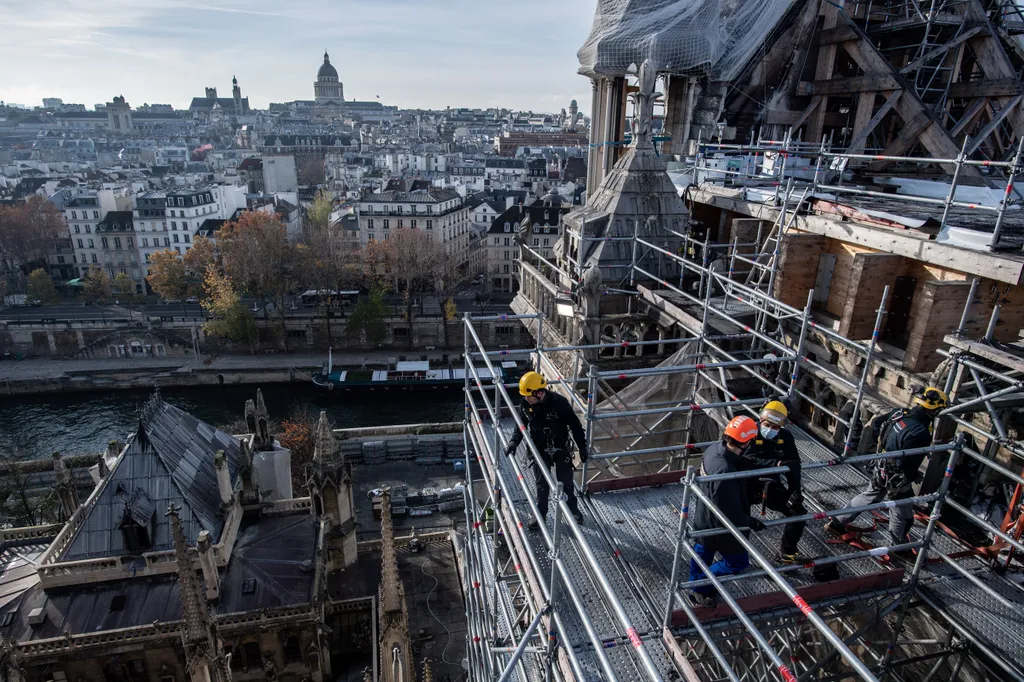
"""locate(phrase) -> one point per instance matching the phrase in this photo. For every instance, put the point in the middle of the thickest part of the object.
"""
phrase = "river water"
(74, 423)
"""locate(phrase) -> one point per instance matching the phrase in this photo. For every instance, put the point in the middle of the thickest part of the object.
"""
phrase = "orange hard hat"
(741, 429)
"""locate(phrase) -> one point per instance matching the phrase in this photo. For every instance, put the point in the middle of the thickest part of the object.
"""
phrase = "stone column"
(223, 477)
(208, 562)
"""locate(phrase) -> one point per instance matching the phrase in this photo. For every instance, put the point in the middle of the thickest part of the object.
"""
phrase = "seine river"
(32, 427)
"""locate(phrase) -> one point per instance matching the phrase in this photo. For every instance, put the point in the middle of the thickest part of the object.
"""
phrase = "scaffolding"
(818, 169)
(604, 599)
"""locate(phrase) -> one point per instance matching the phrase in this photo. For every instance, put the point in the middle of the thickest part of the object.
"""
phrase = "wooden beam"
(815, 101)
(861, 132)
(1004, 87)
(825, 64)
(642, 481)
(839, 34)
(921, 124)
(993, 59)
(810, 593)
(833, 119)
(845, 86)
(942, 49)
(997, 119)
(977, 106)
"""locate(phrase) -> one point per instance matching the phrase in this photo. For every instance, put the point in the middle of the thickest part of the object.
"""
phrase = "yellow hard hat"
(775, 411)
(932, 398)
(530, 382)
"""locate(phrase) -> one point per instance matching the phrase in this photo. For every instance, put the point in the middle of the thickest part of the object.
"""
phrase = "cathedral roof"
(326, 70)
(171, 461)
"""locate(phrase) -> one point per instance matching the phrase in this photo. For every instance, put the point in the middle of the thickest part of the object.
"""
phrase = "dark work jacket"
(901, 430)
(730, 496)
(555, 414)
(782, 448)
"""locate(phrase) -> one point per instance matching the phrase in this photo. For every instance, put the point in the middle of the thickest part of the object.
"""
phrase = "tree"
(40, 287)
(481, 301)
(449, 312)
(27, 232)
(413, 261)
(327, 260)
(96, 287)
(167, 276)
(196, 261)
(259, 259)
(368, 317)
(124, 289)
(230, 319)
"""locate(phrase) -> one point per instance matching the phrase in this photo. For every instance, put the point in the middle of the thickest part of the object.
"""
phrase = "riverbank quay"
(44, 375)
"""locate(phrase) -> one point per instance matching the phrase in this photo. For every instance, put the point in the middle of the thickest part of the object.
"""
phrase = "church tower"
(328, 90)
(395, 646)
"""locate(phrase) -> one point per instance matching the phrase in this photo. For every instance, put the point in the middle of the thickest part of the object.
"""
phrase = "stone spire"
(428, 674)
(324, 445)
(66, 490)
(200, 639)
(395, 645)
(257, 420)
(392, 593)
(263, 438)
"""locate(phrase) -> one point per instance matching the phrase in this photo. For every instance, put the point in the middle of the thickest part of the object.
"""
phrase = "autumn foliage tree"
(174, 277)
(230, 319)
(326, 260)
(40, 287)
(27, 232)
(412, 261)
(96, 287)
(259, 259)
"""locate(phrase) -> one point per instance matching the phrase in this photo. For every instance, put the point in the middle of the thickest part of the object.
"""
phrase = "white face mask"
(769, 431)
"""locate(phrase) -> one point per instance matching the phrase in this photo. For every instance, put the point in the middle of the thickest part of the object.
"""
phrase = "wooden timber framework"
(922, 78)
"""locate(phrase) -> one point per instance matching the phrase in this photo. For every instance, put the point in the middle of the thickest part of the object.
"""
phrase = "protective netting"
(655, 430)
(712, 37)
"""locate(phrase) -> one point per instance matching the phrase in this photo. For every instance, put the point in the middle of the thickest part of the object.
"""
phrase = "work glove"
(756, 525)
(584, 455)
(796, 498)
(510, 449)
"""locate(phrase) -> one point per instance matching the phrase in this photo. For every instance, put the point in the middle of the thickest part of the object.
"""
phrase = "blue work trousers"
(727, 565)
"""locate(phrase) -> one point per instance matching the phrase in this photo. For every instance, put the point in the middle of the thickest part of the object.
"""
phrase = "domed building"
(328, 89)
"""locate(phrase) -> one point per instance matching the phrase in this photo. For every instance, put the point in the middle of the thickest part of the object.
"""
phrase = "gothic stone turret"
(329, 478)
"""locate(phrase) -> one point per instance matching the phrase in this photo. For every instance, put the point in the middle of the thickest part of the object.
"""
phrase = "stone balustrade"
(25, 534)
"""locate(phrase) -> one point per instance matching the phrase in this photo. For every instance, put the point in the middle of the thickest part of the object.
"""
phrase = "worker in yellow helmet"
(779, 492)
(549, 418)
(901, 429)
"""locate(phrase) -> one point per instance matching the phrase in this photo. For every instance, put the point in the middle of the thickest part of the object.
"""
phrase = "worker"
(550, 419)
(901, 429)
(732, 498)
(779, 492)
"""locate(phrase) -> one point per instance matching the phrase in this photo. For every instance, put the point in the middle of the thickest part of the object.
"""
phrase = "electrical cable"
(423, 567)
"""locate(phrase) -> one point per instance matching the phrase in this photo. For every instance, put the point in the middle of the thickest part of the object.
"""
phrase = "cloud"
(413, 53)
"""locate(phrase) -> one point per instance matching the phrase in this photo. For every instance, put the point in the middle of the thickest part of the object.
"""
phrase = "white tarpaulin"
(714, 37)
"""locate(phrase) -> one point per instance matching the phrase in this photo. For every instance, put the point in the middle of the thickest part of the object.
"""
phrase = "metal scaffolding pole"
(854, 662)
(855, 415)
(933, 518)
(581, 543)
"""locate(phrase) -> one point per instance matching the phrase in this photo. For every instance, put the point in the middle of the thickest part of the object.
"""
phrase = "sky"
(519, 54)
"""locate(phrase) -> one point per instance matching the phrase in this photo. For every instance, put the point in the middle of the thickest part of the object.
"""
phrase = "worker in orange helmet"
(732, 498)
